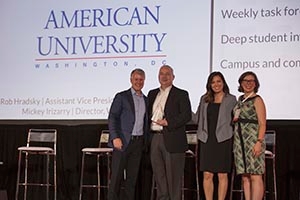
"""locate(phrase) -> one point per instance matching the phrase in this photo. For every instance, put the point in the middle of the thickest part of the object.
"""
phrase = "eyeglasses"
(248, 81)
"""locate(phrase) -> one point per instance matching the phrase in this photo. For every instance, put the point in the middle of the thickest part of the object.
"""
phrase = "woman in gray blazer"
(214, 117)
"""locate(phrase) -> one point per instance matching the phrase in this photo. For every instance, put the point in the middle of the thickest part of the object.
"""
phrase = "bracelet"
(260, 140)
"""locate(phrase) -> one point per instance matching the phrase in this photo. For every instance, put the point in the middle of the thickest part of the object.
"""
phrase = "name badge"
(237, 113)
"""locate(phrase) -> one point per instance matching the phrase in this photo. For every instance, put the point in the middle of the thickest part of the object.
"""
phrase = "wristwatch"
(260, 140)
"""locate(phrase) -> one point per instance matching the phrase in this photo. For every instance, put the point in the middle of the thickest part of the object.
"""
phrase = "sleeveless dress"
(245, 137)
(215, 157)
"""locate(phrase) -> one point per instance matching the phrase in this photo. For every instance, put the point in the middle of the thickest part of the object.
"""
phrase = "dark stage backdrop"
(71, 139)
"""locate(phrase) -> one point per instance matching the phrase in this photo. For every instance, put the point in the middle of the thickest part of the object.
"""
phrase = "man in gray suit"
(169, 110)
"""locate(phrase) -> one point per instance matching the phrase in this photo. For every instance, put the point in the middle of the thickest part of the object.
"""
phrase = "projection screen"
(66, 60)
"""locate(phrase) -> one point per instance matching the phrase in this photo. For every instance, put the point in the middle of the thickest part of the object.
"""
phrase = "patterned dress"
(245, 137)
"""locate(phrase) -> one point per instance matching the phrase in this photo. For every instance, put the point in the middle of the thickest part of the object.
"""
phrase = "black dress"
(215, 157)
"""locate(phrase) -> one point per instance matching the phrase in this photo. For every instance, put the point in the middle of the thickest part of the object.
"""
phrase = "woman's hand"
(257, 149)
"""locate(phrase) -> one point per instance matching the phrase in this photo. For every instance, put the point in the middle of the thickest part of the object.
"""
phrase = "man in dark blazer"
(169, 110)
(128, 127)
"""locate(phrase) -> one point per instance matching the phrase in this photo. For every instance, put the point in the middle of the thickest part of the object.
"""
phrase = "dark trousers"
(168, 169)
(125, 169)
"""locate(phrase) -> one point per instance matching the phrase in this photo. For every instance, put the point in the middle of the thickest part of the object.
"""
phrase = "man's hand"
(117, 142)
(161, 122)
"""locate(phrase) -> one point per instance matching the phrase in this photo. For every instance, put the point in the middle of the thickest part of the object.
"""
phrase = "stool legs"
(26, 179)
(197, 183)
(81, 176)
(274, 184)
(98, 185)
(55, 179)
(232, 190)
(197, 180)
(25, 183)
(18, 176)
(98, 176)
(48, 177)
(274, 180)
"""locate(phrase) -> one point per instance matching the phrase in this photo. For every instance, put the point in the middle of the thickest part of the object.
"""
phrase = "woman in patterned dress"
(249, 145)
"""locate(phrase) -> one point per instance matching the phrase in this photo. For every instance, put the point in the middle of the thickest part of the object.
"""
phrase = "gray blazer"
(224, 129)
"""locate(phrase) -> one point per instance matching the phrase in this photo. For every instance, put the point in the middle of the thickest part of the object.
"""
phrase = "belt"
(136, 137)
(157, 132)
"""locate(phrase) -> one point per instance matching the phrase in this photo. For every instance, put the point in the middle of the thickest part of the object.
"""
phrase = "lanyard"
(248, 97)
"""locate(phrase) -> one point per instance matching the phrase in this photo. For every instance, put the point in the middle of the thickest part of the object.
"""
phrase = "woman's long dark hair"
(209, 95)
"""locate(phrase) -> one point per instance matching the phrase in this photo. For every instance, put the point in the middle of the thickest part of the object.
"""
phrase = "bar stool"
(102, 151)
(270, 140)
(191, 153)
(40, 142)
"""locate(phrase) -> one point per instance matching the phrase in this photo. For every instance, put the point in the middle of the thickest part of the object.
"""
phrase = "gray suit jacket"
(224, 129)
